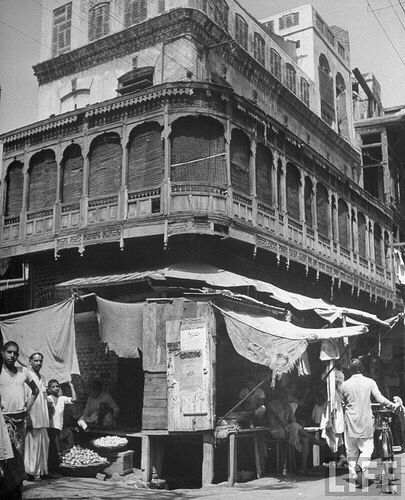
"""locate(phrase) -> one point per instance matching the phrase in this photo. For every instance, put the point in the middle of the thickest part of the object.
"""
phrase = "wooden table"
(254, 433)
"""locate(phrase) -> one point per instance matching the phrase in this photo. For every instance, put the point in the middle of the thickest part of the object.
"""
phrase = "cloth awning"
(214, 277)
(276, 344)
(48, 330)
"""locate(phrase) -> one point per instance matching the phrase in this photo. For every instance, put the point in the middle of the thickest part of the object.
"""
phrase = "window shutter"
(105, 167)
(42, 188)
(240, 156)
(195, 144)
(145, 158)
(72, 177)
(15, 185)
(264, 161)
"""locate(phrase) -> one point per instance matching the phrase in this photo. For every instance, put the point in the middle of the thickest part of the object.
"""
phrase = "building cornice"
(158, 29)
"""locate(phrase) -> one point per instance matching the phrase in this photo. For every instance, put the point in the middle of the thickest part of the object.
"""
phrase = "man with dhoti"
(37, 440)
(14, 406)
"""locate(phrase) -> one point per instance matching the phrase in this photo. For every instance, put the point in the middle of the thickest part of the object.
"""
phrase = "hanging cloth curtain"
(121, 326)
(50, 331)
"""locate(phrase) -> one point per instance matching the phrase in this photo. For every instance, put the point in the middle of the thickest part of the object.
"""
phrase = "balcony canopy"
(201, 275)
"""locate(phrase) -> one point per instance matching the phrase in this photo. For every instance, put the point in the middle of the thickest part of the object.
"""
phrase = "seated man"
(281, 420)
(253, 405)
(101, 410)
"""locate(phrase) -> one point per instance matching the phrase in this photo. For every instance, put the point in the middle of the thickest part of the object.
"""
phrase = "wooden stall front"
(179, 355)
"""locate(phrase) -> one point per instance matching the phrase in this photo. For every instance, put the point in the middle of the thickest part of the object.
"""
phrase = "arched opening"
(341, 109)
(322, 210)
(377, 244)
(326, 90)
(293, 180)
(14, 189)
(99, 20)
(362, 234)
(264, 166)
(308, 200)
(240, 159)
(198, 151)
(145, 157)
(105, 160)
(43, 180)
(291, 78)
(72, 174)
(343, 223)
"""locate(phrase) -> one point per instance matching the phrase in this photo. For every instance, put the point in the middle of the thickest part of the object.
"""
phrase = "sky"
(371, 50)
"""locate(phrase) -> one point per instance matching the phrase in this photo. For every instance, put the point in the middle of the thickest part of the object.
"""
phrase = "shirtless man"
(15, 408)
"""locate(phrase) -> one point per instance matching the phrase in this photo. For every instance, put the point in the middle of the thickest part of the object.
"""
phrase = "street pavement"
(285, 488)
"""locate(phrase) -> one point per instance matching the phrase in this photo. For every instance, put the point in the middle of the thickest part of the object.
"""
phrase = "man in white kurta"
(36, 440)
(356, 395)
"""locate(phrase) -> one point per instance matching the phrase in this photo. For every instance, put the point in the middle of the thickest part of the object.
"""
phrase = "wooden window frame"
(241, 31)
(275, 64)
(259, 49)
(99, 21)
(61, 29)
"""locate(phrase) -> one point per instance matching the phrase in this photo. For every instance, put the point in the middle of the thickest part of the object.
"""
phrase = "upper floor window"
(275, 63)
(217, 10)
(161, 6)
(259, 48)
(341, 50)
(305, 91)
(320, 23)
(135, 12)
(291, 78)
(62, 25)
(99, 21)
(241, 31)
(288, 21)
(330, 37)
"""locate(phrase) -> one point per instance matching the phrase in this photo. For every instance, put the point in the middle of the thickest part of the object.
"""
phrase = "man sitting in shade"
(101, 411)
(253, 405)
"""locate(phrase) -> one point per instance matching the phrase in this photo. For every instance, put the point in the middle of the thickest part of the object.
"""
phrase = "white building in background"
(323, 53)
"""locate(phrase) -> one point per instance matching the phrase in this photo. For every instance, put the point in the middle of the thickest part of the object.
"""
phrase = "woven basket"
(90, 470)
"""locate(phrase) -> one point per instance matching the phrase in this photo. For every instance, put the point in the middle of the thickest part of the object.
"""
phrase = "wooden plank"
(149, 333)
(208, 458)
(155, 403)
(154, 418)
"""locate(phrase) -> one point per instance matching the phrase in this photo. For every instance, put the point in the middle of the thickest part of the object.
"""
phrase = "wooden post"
(233, 461)
(208, 458)
(258, 459)
(146, 462)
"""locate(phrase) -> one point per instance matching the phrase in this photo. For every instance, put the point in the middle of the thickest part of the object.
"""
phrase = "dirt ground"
(288, 488)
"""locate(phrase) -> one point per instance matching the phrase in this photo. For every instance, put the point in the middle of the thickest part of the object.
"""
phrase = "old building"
(186, 130)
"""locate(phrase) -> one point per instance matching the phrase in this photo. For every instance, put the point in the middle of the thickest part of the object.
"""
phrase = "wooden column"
(232, 462)
(146, 461)
(165, 195)
(123, 192)
(208, 458)
(85, 186)
(252, 180)
(388, 186)
(301, 197)
(57, 205)
(228, 137)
